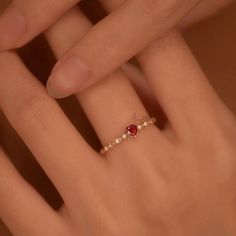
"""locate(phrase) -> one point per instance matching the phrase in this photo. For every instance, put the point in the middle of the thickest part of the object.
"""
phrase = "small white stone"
(117, 141)
(139, 127)
(124, 136)
(145, 124)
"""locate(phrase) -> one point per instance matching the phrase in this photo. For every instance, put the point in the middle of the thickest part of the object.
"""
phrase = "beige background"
(213, 43)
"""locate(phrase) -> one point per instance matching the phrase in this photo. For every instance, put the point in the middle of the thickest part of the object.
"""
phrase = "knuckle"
(167, 206)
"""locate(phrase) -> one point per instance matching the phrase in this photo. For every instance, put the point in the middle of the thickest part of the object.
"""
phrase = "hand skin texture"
(114, 38)
(176, 181)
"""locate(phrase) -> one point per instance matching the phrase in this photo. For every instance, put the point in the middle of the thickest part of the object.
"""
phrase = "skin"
(197, 201)
(79, 67)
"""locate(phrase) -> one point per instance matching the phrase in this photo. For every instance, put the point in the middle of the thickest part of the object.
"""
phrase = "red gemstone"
(132, 130)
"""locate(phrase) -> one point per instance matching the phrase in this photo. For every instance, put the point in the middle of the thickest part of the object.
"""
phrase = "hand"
(113, 40)
(175, 181)
(121, 35)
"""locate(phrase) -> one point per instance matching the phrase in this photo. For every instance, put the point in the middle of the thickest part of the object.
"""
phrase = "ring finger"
(110, 104)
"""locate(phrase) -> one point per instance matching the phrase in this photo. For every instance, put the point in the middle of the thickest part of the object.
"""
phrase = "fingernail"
(12, 27)
(69, 76)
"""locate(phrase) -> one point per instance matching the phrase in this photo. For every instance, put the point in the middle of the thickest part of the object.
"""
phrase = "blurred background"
(212, 42)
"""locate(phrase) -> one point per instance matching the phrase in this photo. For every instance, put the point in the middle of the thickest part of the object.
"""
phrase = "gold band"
(130, 132)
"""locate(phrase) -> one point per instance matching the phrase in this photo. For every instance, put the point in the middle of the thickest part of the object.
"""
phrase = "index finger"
(113, 41)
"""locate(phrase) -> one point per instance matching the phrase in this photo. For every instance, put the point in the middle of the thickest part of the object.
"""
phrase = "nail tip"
(54, 93)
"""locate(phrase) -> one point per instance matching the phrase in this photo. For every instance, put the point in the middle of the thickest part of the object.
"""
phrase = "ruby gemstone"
(132, 130)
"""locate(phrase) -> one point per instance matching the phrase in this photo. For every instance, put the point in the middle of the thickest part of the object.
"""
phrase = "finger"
(56, 144)
(113, 41)
(144, 91)
(137, 77)
(24, 19)
(203, 10)
(18, 198)
(180, 84)
(111, 104)
(154, 60)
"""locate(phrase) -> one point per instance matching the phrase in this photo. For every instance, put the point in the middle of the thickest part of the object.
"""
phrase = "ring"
(130, 131)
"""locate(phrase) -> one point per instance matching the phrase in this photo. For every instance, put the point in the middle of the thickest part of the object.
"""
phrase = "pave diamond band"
(130, 131)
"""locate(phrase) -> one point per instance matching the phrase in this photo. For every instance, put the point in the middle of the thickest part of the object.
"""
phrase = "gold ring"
(130, 131)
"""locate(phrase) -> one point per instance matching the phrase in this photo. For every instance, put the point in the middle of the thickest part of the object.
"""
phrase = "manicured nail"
(12, 27)
(69, 76)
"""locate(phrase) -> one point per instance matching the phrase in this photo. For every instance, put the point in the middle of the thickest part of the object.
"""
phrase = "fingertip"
(54, 92)
(12, 28)
(58, 86)
(68, 77)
